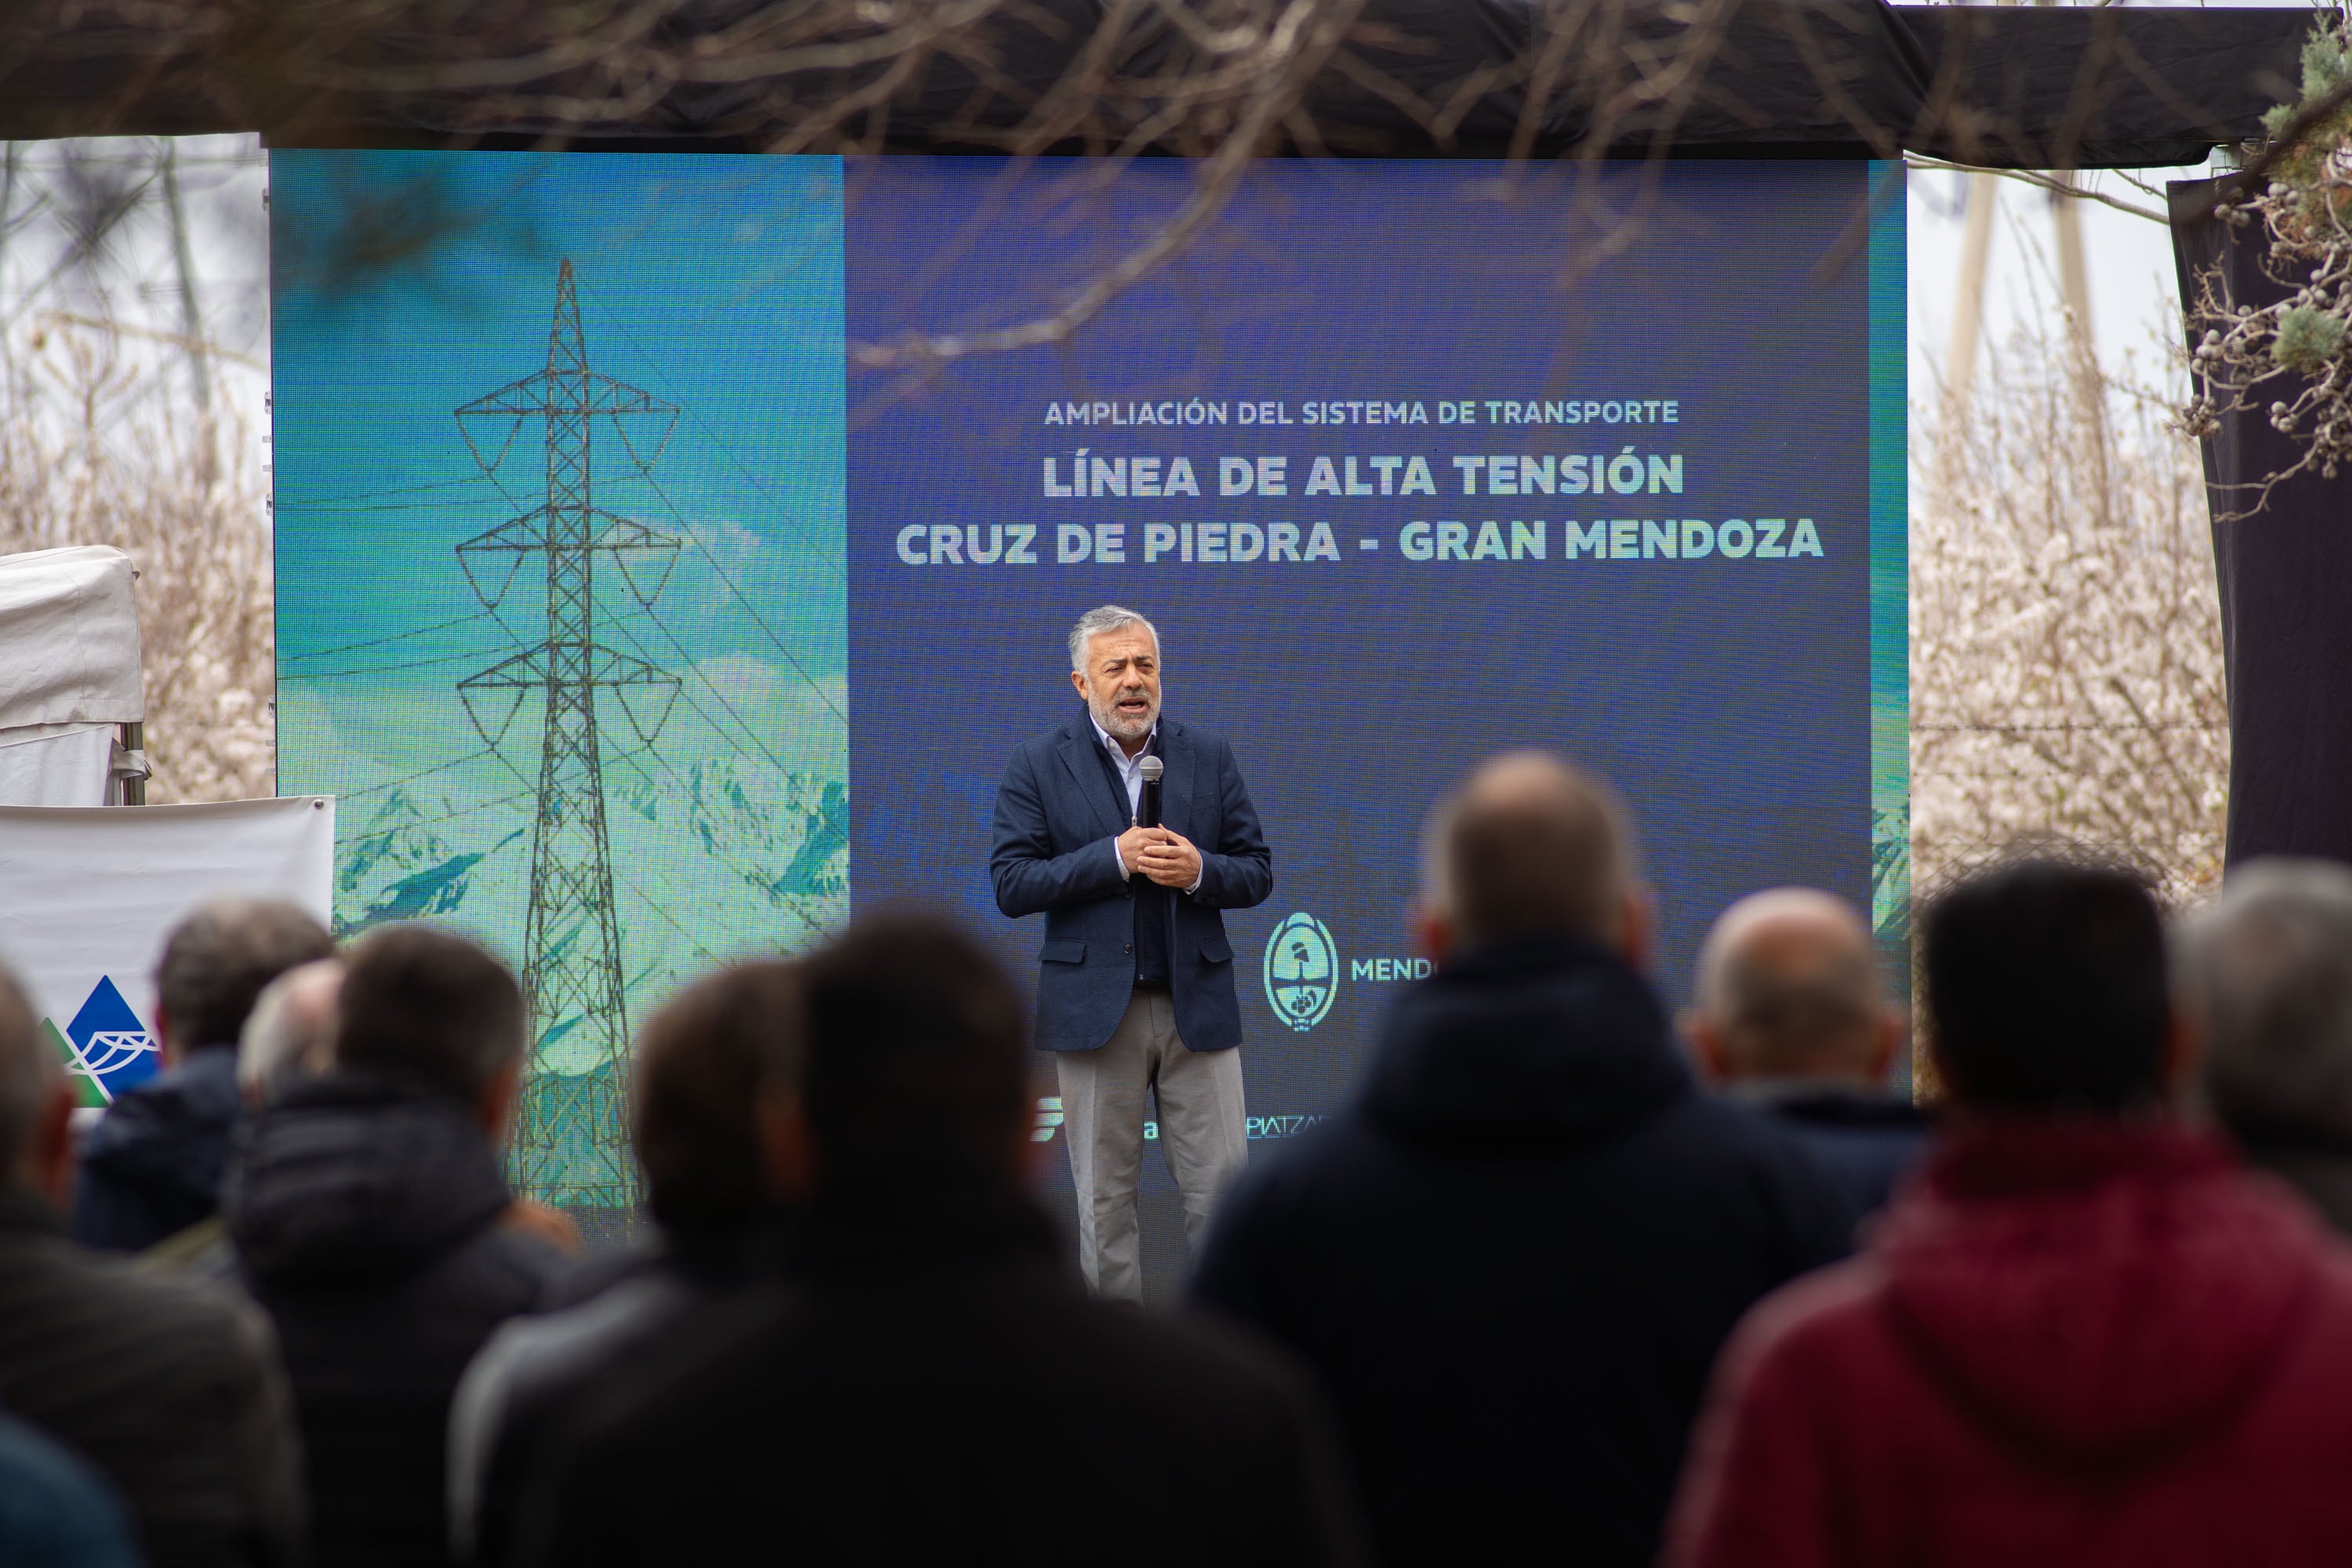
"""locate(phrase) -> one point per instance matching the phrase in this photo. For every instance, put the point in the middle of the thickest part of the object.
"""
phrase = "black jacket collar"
(940, 1227)
(1828, 1104)
(1541, 1040)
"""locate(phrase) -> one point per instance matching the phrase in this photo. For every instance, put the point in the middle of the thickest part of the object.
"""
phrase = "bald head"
(1530, 845)
(1788, 987)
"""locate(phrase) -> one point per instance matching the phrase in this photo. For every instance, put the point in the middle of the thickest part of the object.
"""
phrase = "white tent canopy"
(68, 674)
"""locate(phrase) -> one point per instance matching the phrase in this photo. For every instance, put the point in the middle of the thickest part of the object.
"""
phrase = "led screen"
(672, 549)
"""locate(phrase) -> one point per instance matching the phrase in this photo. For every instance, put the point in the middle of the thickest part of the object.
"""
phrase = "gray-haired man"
(2268, 965)
(1135, 986)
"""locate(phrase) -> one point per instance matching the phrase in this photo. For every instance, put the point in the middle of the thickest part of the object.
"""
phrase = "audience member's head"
(290, 1034)
(918, 1065)
(1789, 988)
(35, 1104)
(2046, 989)
(1532, 846)
(704, 1060)
(432, 1007)
(2269, 968)
(218, 959)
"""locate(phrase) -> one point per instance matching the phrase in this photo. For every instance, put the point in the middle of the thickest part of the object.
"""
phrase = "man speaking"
(1135, 982)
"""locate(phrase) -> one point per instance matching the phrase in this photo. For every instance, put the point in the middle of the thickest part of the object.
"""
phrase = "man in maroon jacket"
(2083, 1337)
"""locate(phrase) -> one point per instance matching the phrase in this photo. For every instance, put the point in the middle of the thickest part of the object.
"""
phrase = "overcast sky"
(2135, 301)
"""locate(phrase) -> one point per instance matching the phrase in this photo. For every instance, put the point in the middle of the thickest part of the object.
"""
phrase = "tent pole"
(134, 785)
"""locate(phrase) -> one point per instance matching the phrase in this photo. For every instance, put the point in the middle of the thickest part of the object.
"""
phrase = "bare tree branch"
(2043, 181)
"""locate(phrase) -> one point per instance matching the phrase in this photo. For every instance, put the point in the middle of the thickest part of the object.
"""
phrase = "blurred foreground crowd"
(1557, 1283)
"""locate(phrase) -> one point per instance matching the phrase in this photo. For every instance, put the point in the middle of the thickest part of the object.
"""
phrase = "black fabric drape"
(2285, 579)
(2013, 87)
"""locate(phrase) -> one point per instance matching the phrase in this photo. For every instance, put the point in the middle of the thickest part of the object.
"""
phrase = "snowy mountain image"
(711, 862)
(401, 867)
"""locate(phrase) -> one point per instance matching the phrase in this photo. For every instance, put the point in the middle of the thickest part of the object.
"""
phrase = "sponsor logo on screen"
(1302, 971)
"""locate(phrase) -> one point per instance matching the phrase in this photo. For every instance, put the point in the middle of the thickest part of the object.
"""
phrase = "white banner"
(88, 895)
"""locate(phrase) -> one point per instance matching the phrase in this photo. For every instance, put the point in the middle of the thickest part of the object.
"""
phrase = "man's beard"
(1119, 725)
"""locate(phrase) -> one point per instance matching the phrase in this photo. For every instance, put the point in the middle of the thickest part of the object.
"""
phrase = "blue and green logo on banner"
(106, 1048)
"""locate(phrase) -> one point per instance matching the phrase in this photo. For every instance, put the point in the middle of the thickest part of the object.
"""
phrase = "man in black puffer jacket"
(369, 1216)
(1513, 1260)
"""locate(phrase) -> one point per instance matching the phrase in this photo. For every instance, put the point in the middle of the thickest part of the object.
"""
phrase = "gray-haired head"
(29, 1078)
(1532, 845)
(290, 1034)
(1100, 619)
(2268, 964)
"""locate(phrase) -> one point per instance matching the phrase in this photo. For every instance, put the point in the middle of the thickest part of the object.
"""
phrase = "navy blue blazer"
(1056, 812)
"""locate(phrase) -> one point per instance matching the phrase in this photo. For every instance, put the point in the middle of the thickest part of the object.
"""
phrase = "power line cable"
(793, 798)
(754, 877)
(379, 642)
(724, 450)
(451, 816)
(620, 624)
(654, 905)
(397, 490)
(367, 508)
(744, 724)
(412, 778)
(298, 675)
(745, 600)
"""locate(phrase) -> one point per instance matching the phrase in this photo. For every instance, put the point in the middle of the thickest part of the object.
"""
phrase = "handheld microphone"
(1147, 805)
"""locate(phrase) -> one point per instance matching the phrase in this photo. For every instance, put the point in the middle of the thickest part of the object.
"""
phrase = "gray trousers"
(1200, 1131)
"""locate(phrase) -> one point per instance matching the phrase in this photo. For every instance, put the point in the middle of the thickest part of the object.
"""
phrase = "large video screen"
(672, 550)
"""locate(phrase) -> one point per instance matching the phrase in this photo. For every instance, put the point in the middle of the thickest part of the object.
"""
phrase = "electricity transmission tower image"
(570, 1133)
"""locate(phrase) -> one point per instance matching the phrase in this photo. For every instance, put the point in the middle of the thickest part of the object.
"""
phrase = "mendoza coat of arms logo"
(1302, 971)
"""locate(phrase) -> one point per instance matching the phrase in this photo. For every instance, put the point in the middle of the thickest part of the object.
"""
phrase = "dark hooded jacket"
(1866, 1142)
(2073, 1341)
(170, 1388)
(365, 1214)
(154, 1164)
(527, 1388)
(1513, 1258)
(927, 1382)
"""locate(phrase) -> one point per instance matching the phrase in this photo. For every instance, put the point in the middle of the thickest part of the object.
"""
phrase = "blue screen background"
(1729, 699)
